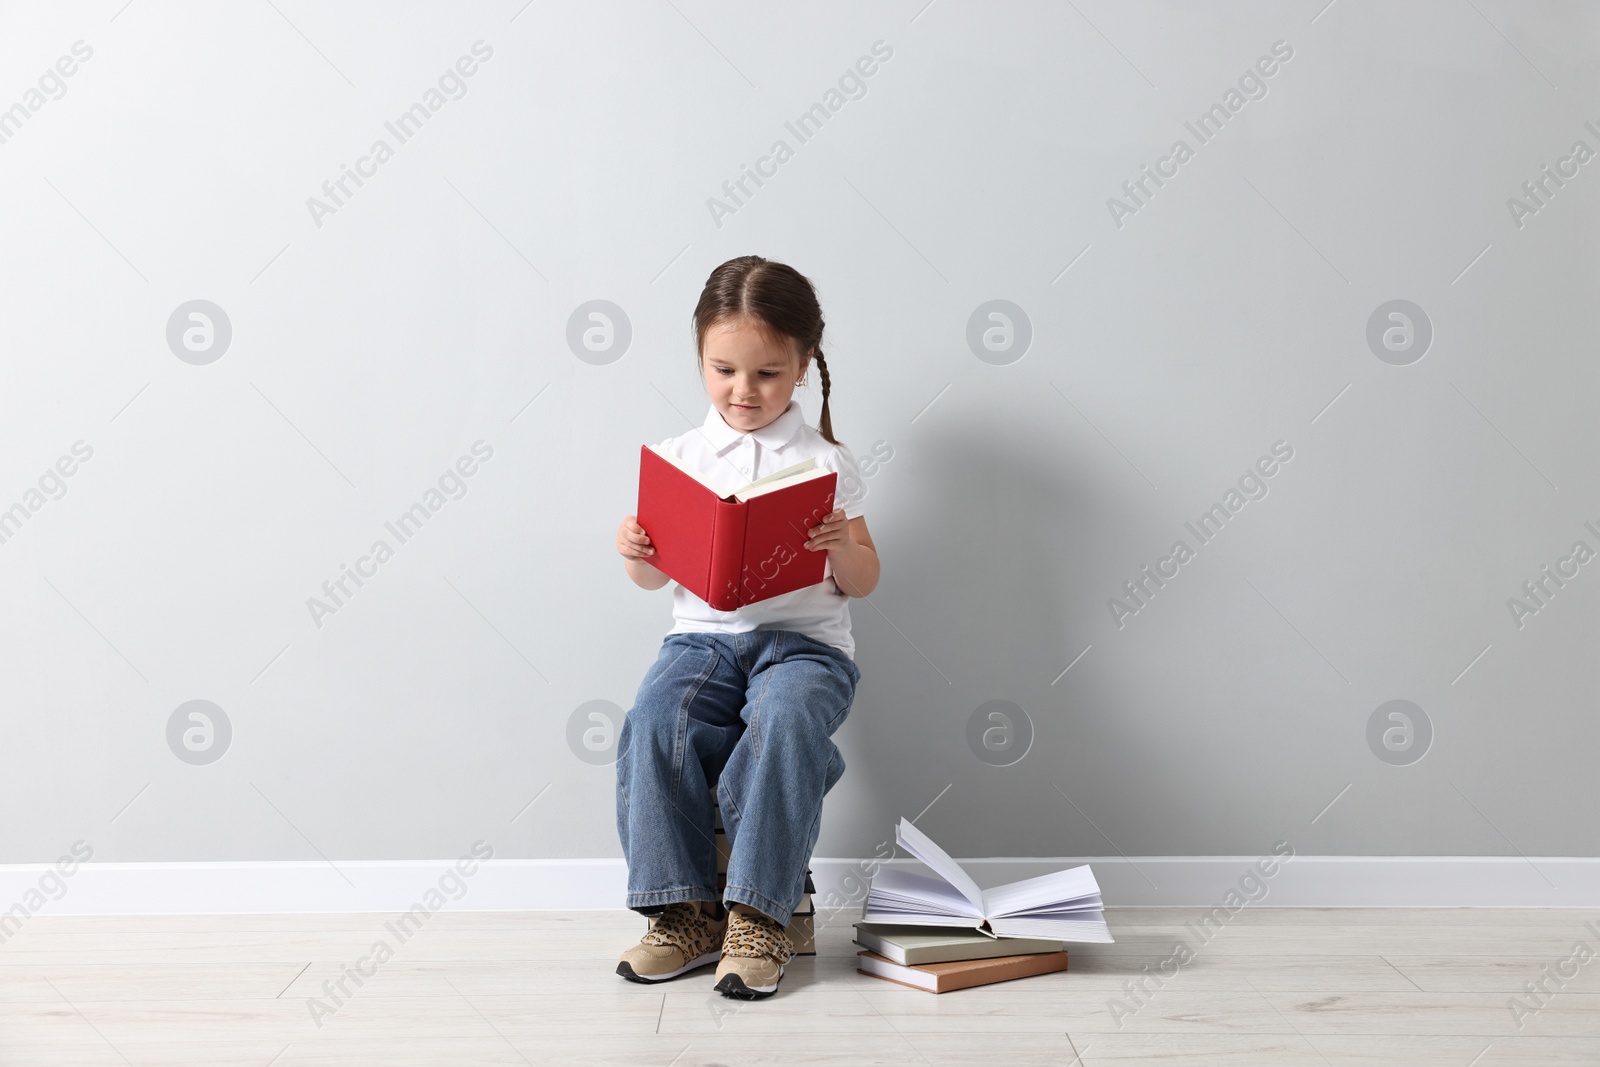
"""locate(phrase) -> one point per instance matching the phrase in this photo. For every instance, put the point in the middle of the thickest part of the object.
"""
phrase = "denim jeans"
(750, 715)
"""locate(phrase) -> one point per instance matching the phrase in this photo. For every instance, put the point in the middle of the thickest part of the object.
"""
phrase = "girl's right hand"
(632, 541)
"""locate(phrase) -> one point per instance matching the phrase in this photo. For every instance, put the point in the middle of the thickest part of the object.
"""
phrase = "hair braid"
(824, 424)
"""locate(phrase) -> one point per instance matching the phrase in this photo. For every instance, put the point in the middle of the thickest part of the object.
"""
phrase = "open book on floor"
(1065, 905)
(732, 546)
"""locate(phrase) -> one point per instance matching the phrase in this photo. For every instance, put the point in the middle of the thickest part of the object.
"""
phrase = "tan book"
(960, 974)
(802, 930)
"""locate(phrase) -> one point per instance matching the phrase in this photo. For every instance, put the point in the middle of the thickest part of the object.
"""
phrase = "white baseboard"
(601, 884)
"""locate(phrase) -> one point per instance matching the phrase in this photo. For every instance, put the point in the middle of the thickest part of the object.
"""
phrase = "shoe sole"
(733, 986)
(625, 969)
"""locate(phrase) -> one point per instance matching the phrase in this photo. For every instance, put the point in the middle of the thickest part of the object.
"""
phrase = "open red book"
(733, 548)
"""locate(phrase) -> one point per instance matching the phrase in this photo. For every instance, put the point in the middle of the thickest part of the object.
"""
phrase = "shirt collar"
(775, 434)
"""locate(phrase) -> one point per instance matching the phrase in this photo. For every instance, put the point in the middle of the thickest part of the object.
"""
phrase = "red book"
(738, 548)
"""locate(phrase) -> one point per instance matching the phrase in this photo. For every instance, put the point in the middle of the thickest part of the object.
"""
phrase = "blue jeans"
(750, 715)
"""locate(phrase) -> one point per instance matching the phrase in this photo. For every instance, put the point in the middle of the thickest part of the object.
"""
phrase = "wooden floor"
(1279, 987)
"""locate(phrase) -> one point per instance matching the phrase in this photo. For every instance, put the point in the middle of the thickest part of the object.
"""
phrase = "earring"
(799, 383)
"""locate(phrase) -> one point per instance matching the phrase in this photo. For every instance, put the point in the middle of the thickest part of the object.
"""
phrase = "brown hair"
(774, 298)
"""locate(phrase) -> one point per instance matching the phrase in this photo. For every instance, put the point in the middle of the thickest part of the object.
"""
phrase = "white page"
(897, 972)
(911, 918)
(796, 473)
(904, 890)
(922, 847)
(1059, 887)
(879, 905)
(1087, 907)
(1055, 929)
(773, 486)
(803, 465)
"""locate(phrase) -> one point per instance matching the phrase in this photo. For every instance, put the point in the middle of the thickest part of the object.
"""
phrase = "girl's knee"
(812, 711)
(650, 720)
(835, 770)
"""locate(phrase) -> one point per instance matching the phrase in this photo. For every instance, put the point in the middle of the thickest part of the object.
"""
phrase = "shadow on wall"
(994, 572)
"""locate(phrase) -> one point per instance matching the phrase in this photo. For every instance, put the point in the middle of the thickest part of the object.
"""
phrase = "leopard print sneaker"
(754, 952)
(680, 939)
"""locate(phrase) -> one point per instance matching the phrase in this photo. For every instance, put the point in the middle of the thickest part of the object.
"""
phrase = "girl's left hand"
(833, 532)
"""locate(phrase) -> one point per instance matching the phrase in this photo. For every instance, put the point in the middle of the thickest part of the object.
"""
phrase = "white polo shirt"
(733, 458)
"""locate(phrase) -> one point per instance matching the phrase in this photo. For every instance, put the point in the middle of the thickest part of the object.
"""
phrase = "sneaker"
(754, 951)
(680, 939)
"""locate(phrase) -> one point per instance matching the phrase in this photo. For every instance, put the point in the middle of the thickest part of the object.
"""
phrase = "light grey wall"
(374, 344)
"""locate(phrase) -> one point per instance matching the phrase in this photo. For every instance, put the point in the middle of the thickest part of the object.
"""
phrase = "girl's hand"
(632, 541)
(833, 532)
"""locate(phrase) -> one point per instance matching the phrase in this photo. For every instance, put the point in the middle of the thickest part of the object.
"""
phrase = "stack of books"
(939, 959)
(802, 928)
(944, 933)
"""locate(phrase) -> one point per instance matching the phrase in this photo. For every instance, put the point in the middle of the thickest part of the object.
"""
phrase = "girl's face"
(750, 379)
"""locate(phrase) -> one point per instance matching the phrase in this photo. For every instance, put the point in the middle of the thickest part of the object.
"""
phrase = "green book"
(940, 944)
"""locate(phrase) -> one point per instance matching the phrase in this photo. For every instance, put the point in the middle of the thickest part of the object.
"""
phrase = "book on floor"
(732, 546)
(961, 974)
(1065, 905)
(802, 928)
(912, 945)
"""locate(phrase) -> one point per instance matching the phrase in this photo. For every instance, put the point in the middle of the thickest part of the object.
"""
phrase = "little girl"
(745, 701)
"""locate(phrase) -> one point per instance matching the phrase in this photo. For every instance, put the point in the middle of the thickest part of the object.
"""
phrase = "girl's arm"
(850, 550)
(645, 575)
